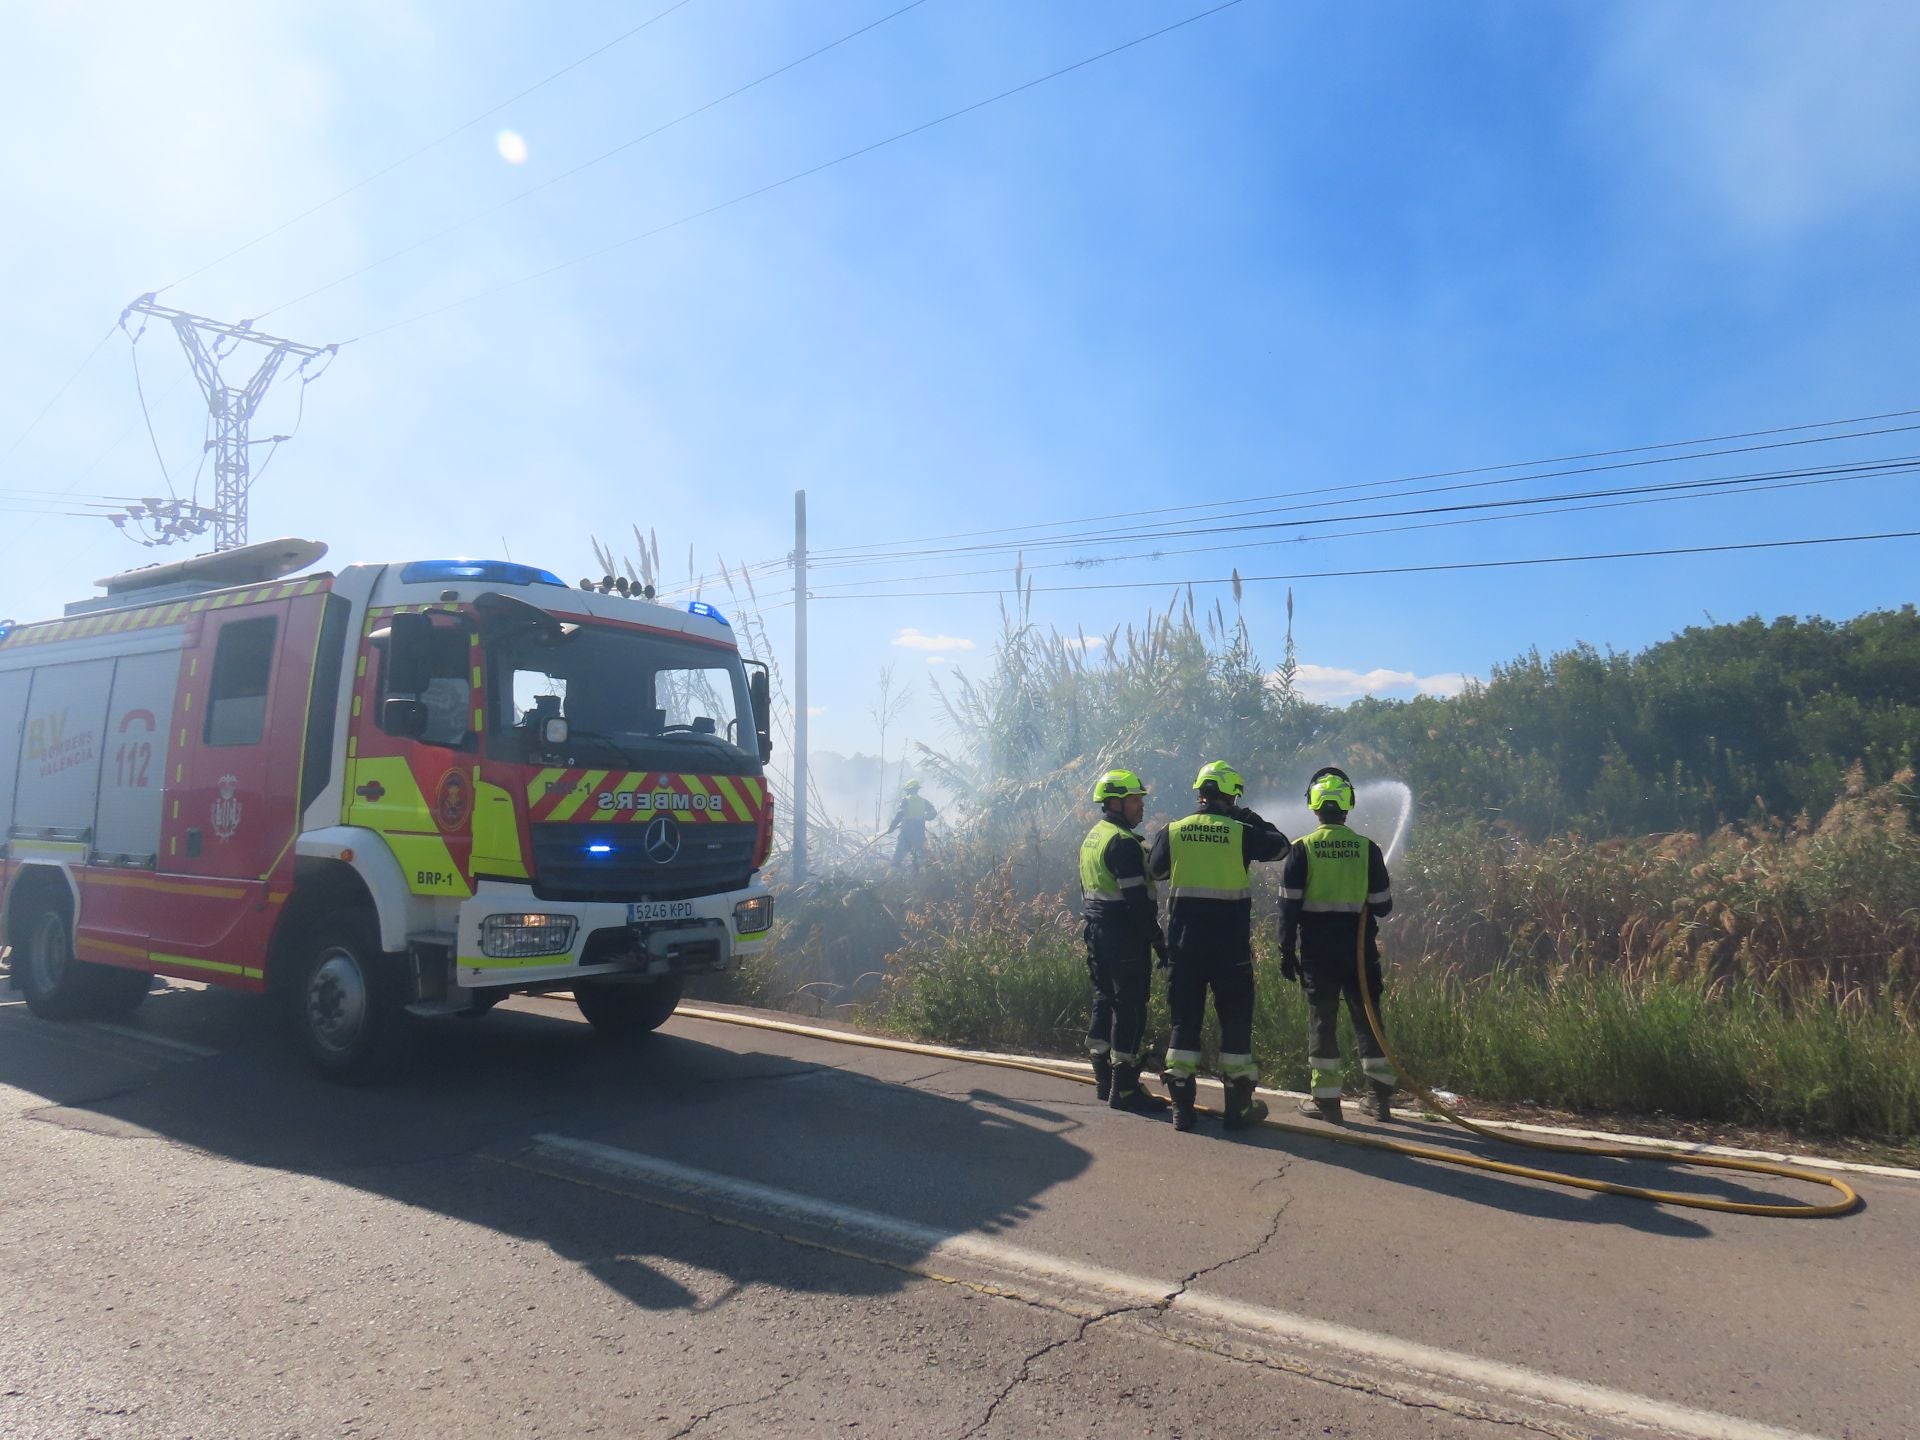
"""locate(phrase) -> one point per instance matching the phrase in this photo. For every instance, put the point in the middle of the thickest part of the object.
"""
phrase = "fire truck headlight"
(515, 937)
(556, 732)
(750, 917)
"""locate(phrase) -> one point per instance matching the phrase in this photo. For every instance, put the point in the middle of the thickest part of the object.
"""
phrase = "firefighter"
(911, 821)
(1121, 922)
(1332, 877)
(1205, 858)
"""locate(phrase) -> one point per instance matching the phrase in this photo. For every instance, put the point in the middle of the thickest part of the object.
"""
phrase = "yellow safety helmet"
(1117, 785)
(911, 786)
(1222, 776)
(1330, 785)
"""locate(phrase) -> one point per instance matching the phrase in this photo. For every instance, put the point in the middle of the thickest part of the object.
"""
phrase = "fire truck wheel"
(56, 984)
(627, 1011)
(120, 992)
(345, 1006)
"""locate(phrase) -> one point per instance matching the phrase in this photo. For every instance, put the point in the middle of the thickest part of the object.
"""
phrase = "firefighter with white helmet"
(1120, 911)
(1333, 878)
(1204, 857)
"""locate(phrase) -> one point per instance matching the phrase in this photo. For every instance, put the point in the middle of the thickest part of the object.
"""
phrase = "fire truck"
(387, 793)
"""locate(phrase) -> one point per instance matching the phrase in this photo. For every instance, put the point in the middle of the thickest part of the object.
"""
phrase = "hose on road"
(1848, 1202)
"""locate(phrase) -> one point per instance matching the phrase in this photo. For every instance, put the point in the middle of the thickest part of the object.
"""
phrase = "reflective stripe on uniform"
(1333, 907)
(1287, 892)
(1239, 1067)
(1380, 897)
(1326, 1077)
(1182, 1062)
(1380, 1069)
(1098, 1047)
(1203, 892)
(1133, 882)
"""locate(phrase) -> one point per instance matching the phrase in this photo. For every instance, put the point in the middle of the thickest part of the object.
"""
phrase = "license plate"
(641, 910)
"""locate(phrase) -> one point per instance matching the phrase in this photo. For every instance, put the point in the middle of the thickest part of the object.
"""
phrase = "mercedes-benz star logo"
(662, 841)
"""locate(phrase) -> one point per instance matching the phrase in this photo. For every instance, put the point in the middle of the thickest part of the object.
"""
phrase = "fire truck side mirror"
(761, 693)
(409, 656)
(405, 718)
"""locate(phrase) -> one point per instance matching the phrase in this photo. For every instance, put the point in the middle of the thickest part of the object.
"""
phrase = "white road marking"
(1424, 1363)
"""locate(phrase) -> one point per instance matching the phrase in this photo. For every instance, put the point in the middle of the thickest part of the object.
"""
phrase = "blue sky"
(1289, 247)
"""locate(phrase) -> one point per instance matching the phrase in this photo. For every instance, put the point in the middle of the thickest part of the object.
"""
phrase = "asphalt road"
(729, 1233)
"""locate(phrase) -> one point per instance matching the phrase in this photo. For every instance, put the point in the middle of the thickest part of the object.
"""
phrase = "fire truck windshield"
(639, 700)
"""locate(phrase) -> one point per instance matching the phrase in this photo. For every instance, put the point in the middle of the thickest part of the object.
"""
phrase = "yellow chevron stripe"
(593, 780)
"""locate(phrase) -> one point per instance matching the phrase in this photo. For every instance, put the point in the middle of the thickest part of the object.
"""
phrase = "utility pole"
(799, 686)
(207, 343)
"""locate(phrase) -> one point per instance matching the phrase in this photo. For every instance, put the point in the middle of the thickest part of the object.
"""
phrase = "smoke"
(1382, 811)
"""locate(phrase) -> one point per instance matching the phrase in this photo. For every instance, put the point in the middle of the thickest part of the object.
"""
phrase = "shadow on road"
(1521, 1196)
(452, 1135)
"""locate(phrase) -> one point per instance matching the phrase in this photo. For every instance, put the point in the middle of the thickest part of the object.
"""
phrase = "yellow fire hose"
(1848, 1202)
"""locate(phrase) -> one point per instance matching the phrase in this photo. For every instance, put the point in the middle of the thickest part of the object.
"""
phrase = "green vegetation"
(1685, 882)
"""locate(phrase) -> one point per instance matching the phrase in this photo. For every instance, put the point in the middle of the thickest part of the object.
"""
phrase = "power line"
(850, 587)
(1413, 479)
(786, 180)
(1398, 569)
(415, 154)
(605, 155)
(1127, 534)
(861, 555)
(78, 370)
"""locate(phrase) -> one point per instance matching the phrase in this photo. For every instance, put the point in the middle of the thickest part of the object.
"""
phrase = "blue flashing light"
(6, 629)
(700, 607)
(497, 572)
(600, 849)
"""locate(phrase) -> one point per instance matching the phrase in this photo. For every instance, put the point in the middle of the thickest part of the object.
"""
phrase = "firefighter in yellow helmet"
(911, 820)
(1332, 877)
(1204, 857)
(1120, 918)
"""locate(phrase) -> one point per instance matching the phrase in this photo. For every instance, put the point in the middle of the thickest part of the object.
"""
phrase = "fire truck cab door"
(417, 789)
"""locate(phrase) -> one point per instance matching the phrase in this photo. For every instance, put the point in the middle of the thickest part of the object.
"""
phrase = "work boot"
(1103, 1076)
(1242, 1109)
(1380, 1104)
(1128, 1095)
(1327, 1110)
(1181, 1088)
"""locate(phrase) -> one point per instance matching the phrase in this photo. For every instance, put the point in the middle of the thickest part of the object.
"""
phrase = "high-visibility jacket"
(1330, 877)
(1204, 858)
(1113, 876)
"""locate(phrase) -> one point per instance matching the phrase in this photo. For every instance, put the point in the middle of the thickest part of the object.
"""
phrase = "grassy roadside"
(1659, 1046)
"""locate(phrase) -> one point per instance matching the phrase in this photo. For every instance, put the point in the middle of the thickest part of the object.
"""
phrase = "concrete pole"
(799, 686)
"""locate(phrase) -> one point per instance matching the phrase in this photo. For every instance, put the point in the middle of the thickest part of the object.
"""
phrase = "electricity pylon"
(207, 343)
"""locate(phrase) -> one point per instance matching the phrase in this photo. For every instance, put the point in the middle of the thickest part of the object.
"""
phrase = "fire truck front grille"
(641, 861)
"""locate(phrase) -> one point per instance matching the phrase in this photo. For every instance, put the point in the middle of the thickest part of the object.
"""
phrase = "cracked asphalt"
(217, 1244)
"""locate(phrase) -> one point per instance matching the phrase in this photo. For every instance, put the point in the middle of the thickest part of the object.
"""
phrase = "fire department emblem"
(226, 807)
(454, 801)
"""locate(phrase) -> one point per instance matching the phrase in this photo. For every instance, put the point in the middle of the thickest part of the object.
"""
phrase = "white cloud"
(908, 638)
(936, 659)
(1330, 684)
(1085, 642)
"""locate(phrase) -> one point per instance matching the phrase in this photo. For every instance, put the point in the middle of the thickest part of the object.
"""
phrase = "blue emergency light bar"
(497, 572)
(700, 607)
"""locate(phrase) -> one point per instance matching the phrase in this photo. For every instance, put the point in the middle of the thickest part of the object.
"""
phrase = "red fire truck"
(398, 790)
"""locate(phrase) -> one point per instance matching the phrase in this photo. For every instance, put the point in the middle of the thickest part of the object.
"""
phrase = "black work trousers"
(1120, 965)
(1329, 977)
(1211, 950)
